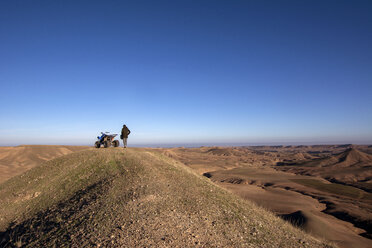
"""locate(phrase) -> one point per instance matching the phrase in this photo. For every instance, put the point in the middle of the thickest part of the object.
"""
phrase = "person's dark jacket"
(125, 132)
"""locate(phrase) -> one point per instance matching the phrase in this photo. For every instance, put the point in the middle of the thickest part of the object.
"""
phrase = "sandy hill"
(16, 160)
(349, 158)
(352, 167)
(353, 157)
(132, 198)
(350, 173)
(220, 151)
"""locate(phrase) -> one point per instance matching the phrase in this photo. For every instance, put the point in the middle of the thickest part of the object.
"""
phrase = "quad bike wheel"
(116, 143)
(97, 144)
(107, 144)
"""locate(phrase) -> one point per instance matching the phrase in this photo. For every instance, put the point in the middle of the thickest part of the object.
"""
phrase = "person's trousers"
(125, 140)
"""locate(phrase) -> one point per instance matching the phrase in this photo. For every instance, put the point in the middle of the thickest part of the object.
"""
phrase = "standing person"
(124, 135)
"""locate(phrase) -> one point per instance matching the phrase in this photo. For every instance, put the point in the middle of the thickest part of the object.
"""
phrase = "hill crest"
(136, 197)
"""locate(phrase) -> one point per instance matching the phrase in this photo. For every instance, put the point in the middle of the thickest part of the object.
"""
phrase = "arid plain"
(324, 190)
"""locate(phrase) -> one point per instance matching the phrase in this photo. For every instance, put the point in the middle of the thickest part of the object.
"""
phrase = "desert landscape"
(135, 197)
(322, 190)
(186, 124)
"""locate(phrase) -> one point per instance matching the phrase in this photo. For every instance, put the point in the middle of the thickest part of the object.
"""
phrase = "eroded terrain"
(326, 190)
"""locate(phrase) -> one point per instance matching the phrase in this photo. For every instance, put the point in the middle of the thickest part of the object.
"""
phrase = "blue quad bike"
(106, 139)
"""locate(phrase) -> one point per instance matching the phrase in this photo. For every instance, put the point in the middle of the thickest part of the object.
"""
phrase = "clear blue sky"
(186, 71)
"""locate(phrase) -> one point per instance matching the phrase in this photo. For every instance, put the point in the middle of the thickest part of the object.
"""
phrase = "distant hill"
(352, 167)
(354, 158)
(132, 198)
(349, 158)
(16, 160)
(220, 151)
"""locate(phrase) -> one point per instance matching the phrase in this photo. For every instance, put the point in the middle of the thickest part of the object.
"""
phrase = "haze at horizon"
(186, 72)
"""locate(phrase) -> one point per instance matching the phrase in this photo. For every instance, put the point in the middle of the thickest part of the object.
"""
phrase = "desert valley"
(324, 190)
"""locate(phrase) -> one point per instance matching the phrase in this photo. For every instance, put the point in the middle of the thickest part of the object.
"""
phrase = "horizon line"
(197, 144)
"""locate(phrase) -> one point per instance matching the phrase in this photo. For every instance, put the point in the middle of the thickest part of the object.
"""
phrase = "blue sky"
(186, 72)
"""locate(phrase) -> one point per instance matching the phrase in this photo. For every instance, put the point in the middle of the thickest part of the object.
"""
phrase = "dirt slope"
(132, 198)
(16, 160)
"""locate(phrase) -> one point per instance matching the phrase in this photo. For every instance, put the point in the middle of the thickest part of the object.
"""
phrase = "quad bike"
(106, 140)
